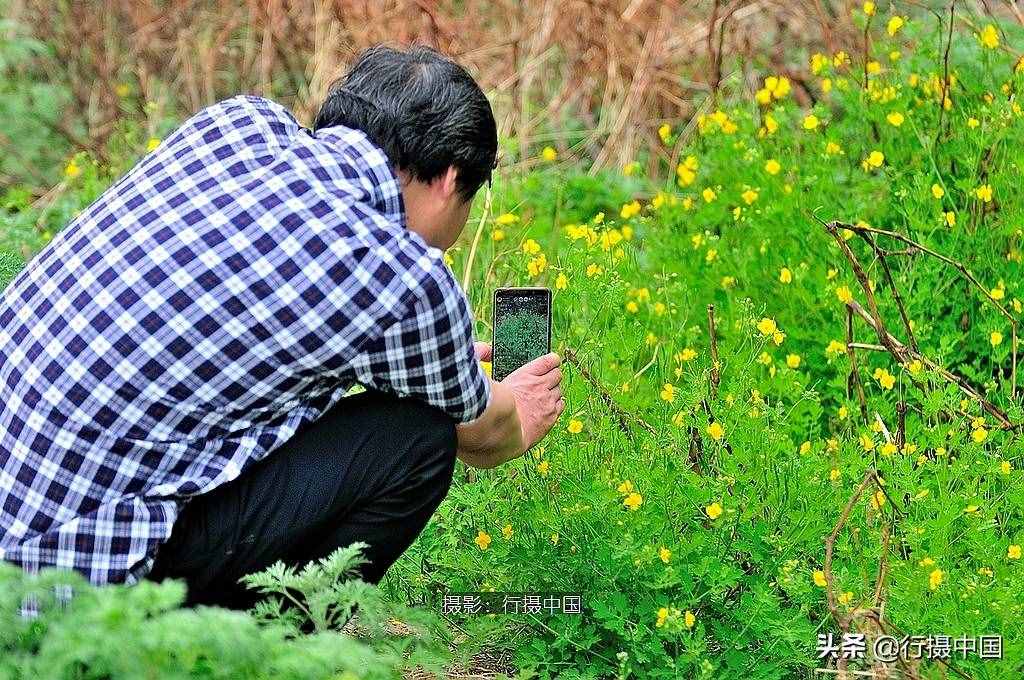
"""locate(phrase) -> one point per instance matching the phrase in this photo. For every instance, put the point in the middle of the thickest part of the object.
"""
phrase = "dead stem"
(622, 416)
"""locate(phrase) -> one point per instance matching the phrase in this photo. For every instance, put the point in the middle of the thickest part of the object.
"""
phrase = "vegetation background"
(779, 426)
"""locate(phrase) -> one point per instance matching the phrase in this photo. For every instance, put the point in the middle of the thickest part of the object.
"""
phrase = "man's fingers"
(553, 378)
(545, 363)
(483, 351)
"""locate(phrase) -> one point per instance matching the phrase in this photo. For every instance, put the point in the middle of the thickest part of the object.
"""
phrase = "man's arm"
(496, 436)
(523, 408)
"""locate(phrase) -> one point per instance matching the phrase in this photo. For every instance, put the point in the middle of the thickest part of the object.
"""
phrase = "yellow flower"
(984, 193)
(833, 149)
(869, 8)
(971, 509)
(664, 554)
(844, 294)
(664, 133)
(767, 326)
(819, 578)
(778, 337)
(531, 247)
(668, 392)
(537, 265)
(937, 191)
(979, 434)
(996, 338)
(714, 511)
(630, 169)
(785, 275)
(152, 144)
(709, 194)
(811, 122)
(877, 499)
(843, 412)
(594, 270)
(689, 619)
(549, 154)
(483, 539)
(1013, 552)
(562, 282)
(772, 167)
(506, 219)
(633, 501)
(835, 348)
(543, 467)
(498, 235)
(506, 531)
(875, 159)
(716, 431)
(630, 210)
(885, 379)
(872, 68)
(833, 474)
(575, 426)
(895, 119)
(749, 196)
(866, 442)
(894, 25)
(632, 307)
(777, 86)
(662, 617)
(626, 487)
(793, 360)
(950, 218)
(686, 172)
(845, 598)
(935, 578)
(770, 124)
(989, 37)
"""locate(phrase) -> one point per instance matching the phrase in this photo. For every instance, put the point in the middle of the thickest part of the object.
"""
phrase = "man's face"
(435, 210)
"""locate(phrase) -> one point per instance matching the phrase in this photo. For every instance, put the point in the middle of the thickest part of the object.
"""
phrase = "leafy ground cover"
(793, 403)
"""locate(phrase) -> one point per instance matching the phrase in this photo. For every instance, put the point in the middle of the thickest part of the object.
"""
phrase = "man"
(173, 364)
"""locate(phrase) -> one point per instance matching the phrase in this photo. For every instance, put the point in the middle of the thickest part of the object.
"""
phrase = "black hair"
(425, 111)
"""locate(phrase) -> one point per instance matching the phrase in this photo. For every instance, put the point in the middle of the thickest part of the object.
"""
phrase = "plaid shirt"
(230, 288)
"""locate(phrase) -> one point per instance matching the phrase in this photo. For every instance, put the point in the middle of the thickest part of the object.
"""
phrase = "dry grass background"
(617, 68)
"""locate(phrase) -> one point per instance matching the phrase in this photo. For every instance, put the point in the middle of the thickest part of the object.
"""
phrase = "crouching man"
(174, 364)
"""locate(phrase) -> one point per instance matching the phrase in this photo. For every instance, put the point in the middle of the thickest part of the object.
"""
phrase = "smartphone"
(522, 328)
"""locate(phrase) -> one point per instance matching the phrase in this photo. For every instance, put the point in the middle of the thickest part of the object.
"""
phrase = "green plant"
(141, 631)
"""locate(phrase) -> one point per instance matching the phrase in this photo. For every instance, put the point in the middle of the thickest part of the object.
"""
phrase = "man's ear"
(449, 182)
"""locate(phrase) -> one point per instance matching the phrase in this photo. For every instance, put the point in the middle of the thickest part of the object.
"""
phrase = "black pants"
(373, 468)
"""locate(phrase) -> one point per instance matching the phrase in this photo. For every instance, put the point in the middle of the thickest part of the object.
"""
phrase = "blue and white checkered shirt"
(230, 288)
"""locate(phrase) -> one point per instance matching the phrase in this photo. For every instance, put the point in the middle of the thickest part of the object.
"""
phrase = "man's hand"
(537, 389)
(524, 407)
(483, 351)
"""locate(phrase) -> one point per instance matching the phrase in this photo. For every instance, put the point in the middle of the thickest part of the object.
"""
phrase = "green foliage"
(141, 631)
(629, 516)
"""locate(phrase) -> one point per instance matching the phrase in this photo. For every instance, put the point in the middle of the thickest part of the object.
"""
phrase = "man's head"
(433, 122)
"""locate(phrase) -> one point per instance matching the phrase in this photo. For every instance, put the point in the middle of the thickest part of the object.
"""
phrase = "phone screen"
(522, 328)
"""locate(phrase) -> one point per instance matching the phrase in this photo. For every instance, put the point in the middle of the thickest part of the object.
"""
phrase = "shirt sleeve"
(428, 354)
